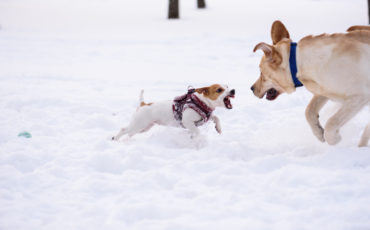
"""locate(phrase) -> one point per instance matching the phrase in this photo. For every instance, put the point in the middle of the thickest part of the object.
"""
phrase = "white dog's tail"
(141, 100)
(141, 97)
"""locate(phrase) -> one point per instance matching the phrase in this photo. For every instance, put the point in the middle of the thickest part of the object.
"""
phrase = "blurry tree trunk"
(173, 9)
(202, 3)
(368, 9)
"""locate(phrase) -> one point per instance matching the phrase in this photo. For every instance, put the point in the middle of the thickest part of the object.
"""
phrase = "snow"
(71, 73)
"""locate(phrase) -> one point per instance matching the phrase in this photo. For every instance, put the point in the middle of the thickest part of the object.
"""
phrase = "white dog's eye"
(219, 90)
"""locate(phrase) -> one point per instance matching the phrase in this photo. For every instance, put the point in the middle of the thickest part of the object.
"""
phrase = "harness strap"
(190, 100)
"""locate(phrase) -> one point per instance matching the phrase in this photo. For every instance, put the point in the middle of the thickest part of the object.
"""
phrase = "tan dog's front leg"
(216, 120)
(365, 136)
(348, 110)
(312, 115)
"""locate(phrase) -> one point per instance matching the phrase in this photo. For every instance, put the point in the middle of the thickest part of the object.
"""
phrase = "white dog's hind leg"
(141, 122)
(312, 115)
(139, 126)
(122, 132)
(348, 110)
(132, 130)
(365, 136)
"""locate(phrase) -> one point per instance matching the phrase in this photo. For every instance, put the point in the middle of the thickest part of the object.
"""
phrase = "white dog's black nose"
(232, 92)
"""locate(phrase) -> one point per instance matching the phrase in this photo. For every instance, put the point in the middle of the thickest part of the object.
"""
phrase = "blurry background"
(122, 38)
(70, 75)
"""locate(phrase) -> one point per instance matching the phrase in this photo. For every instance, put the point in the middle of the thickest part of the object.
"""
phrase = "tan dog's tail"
(353, 28)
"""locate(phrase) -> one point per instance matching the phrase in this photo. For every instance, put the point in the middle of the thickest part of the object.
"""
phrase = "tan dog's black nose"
(252, 88)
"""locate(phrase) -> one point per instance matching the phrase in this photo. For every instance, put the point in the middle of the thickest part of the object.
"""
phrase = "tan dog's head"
(217, 95)
(275, 75)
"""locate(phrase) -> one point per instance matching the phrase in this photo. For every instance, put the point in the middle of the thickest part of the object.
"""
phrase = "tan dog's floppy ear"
(266, 48)
(204, 90)
(278, 32)
(270, 52)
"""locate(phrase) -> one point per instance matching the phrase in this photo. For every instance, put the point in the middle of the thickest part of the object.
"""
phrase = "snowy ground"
(71, 72)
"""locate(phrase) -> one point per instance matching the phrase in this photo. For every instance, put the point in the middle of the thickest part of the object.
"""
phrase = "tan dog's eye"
(219, 90)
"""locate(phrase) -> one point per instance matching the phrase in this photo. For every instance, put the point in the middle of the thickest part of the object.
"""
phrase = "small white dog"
(189, 111)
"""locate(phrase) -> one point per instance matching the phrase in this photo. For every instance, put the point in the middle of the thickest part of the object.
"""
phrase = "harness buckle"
(191, 89)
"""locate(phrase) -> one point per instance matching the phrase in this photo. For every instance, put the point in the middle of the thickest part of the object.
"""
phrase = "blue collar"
(293, 64)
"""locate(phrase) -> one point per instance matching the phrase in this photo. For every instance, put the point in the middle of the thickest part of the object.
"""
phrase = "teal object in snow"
(25, 134)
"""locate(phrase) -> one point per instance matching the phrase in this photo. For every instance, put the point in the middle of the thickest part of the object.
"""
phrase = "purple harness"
(190, 100)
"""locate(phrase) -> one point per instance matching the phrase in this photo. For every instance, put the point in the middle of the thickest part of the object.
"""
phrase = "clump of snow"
(71, 73)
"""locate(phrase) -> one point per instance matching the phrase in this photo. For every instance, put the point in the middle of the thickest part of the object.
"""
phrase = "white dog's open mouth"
(227, 101)
(272, 94)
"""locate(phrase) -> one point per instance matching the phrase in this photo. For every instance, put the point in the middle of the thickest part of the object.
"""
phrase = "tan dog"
(335, 67)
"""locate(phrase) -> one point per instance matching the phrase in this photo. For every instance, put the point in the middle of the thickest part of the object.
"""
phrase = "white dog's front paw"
(332, 137)
(319, 133)
(218, 129)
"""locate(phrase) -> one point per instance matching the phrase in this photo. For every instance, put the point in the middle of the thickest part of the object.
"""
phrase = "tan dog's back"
(343, 68)
(353, 28)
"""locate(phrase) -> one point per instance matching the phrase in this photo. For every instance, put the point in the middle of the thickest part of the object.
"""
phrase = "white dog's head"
(216, 95)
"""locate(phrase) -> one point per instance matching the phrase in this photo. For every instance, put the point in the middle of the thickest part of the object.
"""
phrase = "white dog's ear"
(278, 32)
(204, 90)
(270, 52)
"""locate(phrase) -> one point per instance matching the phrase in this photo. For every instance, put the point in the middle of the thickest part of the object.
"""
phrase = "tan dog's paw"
(362, 144)
(332, 137)
(319, 133)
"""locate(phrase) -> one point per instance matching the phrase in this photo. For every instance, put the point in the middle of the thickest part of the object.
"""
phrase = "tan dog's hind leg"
(312, 115)
(365, 137)
(348, 110)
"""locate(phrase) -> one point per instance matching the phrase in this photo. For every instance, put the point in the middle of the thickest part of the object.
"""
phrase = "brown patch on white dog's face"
(275, 77)
(218, 94)
(212, 92)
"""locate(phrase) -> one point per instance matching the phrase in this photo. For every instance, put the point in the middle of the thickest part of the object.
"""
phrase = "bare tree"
(202, 4)
(368, 9)
(173, 9)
